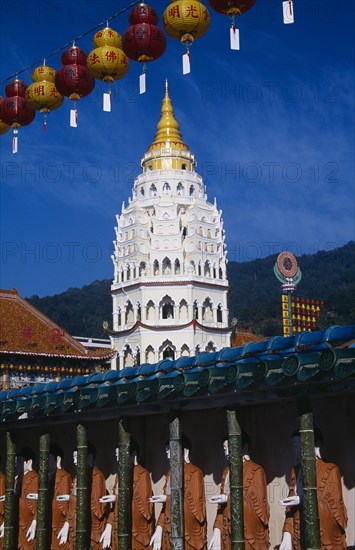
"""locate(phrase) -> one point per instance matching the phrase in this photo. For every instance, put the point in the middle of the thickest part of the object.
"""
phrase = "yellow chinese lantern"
(107, 62)
(186, 20)
(43, 95)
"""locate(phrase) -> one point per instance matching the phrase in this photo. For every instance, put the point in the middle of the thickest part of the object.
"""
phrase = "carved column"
(43, 529)
(176, 484)
(9, 528)
(236, 481)
(308, 463)
(124, 486)
(83, 498)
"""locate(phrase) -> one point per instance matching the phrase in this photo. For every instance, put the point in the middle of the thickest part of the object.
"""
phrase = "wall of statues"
(269, 427)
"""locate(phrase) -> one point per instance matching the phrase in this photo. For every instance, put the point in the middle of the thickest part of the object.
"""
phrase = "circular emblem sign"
(287, 264)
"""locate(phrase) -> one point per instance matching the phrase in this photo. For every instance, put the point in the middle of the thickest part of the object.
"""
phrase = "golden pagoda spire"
(168, 127)
(168, 142)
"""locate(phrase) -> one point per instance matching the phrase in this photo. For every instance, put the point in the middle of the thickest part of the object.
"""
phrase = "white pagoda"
(170, 283)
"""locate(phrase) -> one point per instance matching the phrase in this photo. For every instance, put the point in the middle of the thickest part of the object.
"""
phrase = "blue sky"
(271, 127)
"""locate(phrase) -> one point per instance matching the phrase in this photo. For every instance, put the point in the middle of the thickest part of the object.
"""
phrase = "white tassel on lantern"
(107, 102)
(186, 66)
(15, 142)
(234, 38)
(73, 118)
(288, 13)
(142, 83)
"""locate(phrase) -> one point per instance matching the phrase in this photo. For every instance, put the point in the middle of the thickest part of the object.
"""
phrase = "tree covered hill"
(255, 296)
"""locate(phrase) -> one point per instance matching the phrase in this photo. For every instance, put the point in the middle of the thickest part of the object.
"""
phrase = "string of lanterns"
(143, 42)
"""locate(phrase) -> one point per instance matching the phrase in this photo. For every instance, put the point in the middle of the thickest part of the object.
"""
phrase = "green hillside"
(254, 297)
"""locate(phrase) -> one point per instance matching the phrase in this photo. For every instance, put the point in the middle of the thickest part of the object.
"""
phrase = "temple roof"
(243, 336)
(26, 331)
(310, 363)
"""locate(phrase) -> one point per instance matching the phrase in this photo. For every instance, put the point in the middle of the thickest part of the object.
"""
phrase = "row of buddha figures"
(145, 532)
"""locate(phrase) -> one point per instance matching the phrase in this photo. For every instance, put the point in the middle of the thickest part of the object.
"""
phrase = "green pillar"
(43, 504)
(236, 481)
(124, 486)
(9, 529)
(309, 475)
(176, 484)
(83, 498)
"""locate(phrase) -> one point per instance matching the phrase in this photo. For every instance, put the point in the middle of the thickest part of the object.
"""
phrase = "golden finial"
(168, 127)
(168, 149)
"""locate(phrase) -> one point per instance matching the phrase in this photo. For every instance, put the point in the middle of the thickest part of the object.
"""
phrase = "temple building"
(34, 349)
(170, 281)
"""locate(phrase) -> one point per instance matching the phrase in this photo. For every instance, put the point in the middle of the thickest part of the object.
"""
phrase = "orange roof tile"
(244, 336)
(25, 330)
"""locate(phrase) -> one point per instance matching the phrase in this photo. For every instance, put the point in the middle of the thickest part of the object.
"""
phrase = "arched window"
(168, 353)
(166, 266)
(167, 308)
(129, 313)
(180, 189)
(209, 233)
(185, 351)
(219, 314)
(150, 311)
(192, 189)
(220, 273)
(167, 350)
(156, 267)
(150, 355)
(192, 267)
(153, 191)
(142, 191)
(166, 188)
(199, 269)
(119, 317)
(210, 346)
(183, 166)
(177, 268)
(139, 312)
(195, 310)
(207, 269)
(183, 310)
(142, 268)
(207, 311)
(128, 359)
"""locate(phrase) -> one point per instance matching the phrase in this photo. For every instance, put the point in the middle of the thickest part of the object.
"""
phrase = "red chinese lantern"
(232, 8)
(74, 79)
(3, 127)
(42, 95)
(143, 41)
(186, 20)
(15, 110)
(107, 62)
